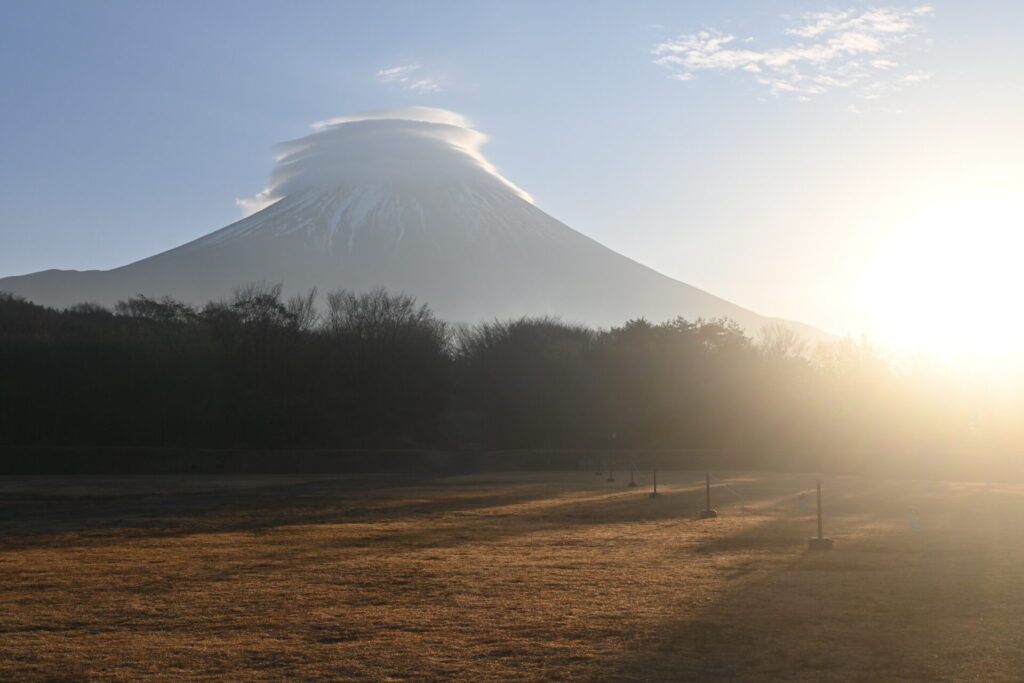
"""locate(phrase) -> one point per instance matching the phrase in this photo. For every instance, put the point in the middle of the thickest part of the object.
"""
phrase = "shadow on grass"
(880, 606)
(755, 604)
(24, 517)
(449, 511)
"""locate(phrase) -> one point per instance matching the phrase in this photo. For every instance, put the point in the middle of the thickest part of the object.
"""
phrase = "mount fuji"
(401, 199)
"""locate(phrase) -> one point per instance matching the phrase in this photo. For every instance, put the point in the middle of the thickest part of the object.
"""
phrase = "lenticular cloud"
(410, 145)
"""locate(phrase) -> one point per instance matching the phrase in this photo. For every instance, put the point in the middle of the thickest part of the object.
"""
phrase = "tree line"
(379, 370)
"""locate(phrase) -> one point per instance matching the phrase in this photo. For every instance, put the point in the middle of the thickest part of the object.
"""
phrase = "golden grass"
(507, 577)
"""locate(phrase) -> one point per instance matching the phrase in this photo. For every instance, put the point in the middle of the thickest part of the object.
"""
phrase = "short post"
(820, 542)
(819, 509)
(654, 475)
(611, 472)
(708, 512)
(632, 473)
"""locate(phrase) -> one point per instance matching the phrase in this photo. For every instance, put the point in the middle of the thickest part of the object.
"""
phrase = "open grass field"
(529, 577)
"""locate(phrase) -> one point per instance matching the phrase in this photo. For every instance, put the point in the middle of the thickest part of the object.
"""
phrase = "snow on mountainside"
(401, 199)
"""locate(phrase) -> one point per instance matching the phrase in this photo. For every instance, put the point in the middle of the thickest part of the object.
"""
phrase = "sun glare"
(951, 280)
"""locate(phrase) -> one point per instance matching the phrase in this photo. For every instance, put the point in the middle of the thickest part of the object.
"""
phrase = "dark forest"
(379, 370)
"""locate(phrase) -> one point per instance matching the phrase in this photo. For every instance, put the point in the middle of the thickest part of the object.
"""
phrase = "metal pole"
(654, 473)
(820, 535)
(819, 543)
(708, 513)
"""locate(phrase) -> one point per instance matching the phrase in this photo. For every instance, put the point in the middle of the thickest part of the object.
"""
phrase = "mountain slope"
(403, 201)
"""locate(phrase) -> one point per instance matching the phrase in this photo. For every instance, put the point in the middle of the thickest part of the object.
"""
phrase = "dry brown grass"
(506, 577)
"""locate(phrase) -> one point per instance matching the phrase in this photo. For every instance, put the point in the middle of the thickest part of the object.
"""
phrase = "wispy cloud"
(855, 49)
(410, 77)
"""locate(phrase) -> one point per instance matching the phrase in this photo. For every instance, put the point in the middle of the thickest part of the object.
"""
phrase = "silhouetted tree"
(380, 370)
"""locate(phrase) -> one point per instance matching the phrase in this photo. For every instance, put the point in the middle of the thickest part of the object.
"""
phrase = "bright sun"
(952, 279)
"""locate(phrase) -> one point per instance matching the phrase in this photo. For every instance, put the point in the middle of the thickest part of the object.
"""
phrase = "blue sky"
(756, 167)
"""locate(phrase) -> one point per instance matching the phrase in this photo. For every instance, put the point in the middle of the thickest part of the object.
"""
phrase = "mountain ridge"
(408, 204)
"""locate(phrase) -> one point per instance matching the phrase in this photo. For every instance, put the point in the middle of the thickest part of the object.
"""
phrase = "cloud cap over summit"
(406, 145)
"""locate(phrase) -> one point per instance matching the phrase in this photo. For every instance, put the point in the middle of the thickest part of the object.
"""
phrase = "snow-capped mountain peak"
(401, 199)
